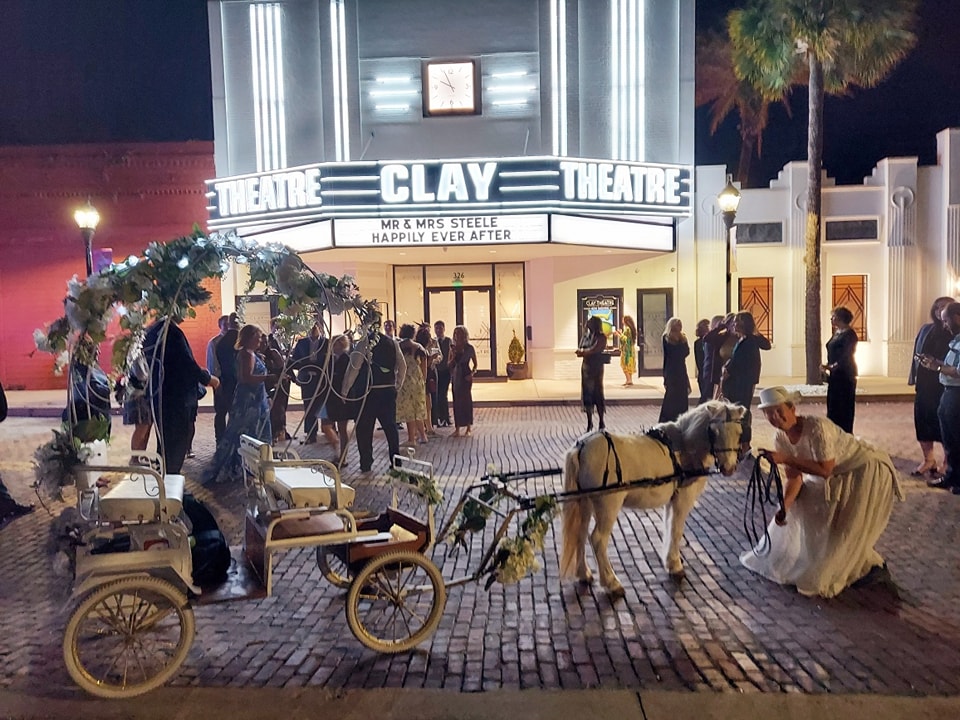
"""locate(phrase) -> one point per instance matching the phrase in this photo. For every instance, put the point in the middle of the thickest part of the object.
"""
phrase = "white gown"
(832, 526)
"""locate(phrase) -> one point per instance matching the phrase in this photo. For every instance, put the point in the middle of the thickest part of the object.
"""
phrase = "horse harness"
(680, 477)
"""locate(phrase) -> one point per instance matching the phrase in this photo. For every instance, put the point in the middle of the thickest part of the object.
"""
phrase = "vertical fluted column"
(952, 248)
(903, 274)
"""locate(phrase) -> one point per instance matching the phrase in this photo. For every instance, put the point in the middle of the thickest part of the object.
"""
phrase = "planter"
(518, 371)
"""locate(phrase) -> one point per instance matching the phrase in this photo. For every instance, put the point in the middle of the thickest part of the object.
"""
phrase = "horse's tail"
(574, 515)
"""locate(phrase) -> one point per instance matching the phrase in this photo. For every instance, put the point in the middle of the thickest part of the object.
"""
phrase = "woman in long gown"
(591, 348)
(841, 370)
(341, 407)
(278, 391)
(676, 382)
(250, 412)
(837, 501)
(463, 364)
(932, 339)
(628, 350)
(411, 397)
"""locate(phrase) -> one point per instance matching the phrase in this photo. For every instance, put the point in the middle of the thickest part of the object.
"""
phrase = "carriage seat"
(132, 498)
(298, 483)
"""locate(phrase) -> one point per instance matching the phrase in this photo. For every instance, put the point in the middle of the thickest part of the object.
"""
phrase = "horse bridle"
(714, 434)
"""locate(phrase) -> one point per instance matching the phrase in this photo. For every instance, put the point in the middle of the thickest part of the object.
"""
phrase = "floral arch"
(167, 281)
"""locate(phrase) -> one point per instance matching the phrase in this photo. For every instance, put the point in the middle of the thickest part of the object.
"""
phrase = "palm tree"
(718, 85)
(841, 44)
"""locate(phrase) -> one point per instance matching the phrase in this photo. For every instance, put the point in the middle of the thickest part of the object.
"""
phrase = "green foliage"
(473, 515)
(168, 282)
(57, 462)
(836, 45)
(424, 484)
(858, 42)
(515, 351)
(517, 556)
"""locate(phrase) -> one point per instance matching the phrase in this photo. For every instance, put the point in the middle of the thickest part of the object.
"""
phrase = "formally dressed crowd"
(839, 490)
(394, 378)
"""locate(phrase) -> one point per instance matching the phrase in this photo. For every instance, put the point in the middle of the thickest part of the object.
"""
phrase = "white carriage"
(133, 623)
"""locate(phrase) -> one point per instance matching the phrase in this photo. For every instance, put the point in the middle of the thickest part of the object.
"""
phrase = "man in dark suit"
(741, 373)
(225, 354)
(387, 368)
(174, 376)
(310, 362)
(441, 403)
(699, 356)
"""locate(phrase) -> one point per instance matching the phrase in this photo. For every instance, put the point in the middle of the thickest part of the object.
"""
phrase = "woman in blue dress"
(250, 412)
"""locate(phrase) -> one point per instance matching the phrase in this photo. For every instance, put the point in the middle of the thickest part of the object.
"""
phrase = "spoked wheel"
(396, 601)
(128, 637)
(333, 568)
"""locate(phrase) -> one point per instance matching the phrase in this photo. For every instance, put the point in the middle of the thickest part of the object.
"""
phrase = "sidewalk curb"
(174, 703)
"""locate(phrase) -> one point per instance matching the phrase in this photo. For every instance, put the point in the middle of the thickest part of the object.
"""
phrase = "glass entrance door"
(654, 308)
(471, 307)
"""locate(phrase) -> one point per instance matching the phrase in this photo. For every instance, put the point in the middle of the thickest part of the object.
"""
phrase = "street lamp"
(729, 201)
(87, 218)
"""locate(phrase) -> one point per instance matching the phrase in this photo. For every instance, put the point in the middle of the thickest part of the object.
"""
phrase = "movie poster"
(605, 304)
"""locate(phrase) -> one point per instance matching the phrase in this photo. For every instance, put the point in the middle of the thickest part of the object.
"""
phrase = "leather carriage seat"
(133, 498)
(299, 486)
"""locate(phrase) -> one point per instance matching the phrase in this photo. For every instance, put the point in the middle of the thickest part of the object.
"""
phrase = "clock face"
(450, 88)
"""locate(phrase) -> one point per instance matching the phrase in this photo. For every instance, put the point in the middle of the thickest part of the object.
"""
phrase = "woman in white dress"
(838, 498)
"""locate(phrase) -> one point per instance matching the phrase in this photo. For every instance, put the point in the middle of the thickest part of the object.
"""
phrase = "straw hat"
(778, 395)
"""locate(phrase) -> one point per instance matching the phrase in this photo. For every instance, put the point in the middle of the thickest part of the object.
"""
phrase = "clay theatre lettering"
(505, 185)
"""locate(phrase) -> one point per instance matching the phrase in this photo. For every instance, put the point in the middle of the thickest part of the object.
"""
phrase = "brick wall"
(144, 192)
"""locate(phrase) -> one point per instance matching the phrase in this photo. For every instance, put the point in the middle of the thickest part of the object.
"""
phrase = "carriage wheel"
(335, 570)
(396, 601)
(128, 637)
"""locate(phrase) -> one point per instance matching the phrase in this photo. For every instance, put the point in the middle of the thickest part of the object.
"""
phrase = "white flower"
(41, 340)
(334, 304)
(60, 364)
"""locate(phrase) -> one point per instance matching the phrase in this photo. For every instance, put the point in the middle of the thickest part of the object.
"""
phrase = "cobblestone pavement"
(721, 628)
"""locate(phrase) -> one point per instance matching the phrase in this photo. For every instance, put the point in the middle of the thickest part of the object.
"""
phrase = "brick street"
(720, 629)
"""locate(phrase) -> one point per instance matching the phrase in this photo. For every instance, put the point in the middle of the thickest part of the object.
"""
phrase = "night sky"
(139, 70)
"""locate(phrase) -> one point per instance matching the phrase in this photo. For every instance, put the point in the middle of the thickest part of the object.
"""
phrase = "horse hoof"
(616, 594)
(677, 575)
(588, 580)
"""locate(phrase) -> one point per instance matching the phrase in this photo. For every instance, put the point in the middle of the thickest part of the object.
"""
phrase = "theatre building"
(517, 166)
(511, 165)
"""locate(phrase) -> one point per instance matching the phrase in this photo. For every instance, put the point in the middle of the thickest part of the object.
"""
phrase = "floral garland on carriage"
(168, 281)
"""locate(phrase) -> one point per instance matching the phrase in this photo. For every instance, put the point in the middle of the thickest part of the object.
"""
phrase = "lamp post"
(87, 218)
(729, 201)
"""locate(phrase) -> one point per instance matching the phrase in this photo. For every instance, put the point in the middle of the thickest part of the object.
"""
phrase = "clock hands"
(447, 82)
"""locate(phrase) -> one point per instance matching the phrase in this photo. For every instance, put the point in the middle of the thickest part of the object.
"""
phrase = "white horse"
(669, 466)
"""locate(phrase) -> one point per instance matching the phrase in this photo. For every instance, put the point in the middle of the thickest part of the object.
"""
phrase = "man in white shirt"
(213, 367)
(948, 412)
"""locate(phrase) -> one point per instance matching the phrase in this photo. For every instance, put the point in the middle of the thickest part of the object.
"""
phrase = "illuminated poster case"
(605, 304)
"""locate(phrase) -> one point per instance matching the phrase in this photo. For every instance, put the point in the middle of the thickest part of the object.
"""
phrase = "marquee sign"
(441, 231)
(471, 186)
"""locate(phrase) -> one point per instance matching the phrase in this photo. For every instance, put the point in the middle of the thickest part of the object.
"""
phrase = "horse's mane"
(696, 419)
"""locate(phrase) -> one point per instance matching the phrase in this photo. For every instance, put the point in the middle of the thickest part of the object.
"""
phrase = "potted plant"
(516, 368)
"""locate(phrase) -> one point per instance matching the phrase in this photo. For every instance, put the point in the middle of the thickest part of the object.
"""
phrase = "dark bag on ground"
(211, 554)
